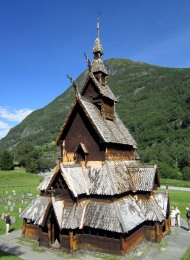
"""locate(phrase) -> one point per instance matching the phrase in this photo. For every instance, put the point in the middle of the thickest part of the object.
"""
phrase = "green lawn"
(174, 183)
(187, 255)
(7, 256)
(180, 199)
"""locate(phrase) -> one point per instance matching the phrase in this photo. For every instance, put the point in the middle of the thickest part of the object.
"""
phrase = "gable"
(103, 90)
(54, 184)
(79, 129)
(90, 90)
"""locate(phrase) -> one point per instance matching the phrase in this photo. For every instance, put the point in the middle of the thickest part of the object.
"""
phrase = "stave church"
(99, 196)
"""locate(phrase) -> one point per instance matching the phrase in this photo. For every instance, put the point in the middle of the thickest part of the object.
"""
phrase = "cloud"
(4, 129)
(14, 116)
(3, 133)
(4, 125)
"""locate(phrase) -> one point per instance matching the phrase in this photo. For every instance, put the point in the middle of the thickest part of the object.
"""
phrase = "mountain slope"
(154, 103)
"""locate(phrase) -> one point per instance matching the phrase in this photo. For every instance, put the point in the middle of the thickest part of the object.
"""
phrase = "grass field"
(180, 199)
(187, 255)
(174, 183)
(8, 256)
(17, 189)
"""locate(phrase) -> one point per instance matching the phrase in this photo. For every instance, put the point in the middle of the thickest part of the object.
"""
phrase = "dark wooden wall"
(80, 130)
(90, 91)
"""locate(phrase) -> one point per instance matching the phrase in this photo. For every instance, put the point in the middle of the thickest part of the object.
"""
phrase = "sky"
(43, 40)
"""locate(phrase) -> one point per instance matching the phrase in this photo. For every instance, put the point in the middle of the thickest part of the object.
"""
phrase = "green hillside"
(154, 103)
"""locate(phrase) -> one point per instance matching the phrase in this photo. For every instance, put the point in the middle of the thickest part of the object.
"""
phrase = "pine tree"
(6, 161)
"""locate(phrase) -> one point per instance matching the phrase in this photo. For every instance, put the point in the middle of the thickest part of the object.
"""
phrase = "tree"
(186, 173)
(6, 161)
(28, 157)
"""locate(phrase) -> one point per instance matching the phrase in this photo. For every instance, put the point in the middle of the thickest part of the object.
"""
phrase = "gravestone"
(13, 219)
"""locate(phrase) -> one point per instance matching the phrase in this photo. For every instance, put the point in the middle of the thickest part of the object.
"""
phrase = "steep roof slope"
(109, 131)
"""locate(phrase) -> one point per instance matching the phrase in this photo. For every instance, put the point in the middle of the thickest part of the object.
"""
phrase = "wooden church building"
(99, 196)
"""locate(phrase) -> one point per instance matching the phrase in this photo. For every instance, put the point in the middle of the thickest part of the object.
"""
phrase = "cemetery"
(15, 196)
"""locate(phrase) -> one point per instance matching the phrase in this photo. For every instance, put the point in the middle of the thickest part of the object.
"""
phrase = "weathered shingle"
(113, 177)
(151, 209)
(37, 210)
(58, 206)
(119, 216)
(142, 177)
(110, 131)
(74, 177)
(48, 180)
(162, 201)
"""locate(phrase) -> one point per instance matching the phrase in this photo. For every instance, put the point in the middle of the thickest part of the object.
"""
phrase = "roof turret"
(97, 64)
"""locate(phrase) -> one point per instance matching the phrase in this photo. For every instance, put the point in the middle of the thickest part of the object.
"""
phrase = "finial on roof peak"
(98, 25)
(74, 84)
(97, 45)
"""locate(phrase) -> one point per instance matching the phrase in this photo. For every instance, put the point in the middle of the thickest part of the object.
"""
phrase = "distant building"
(98, 196)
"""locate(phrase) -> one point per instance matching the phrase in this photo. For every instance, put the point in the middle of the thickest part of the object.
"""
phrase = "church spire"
(97, 45)
(97, 64)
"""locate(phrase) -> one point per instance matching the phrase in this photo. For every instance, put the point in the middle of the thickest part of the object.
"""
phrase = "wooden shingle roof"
(117, 216)
(109, 131)
(113, 177)
(152, 210)
(120, 216)
(37, 210)
(48, 180)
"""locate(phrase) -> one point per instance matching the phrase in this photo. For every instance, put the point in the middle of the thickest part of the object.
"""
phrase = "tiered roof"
(120, 216)
(112, 178)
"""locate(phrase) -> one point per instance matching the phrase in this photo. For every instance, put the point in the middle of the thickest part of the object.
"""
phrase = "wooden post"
(122, 245)
(71, 240)
(23, 227)
(40, 235)
(49, 234)
(167, 225)
(157, 231)
(52, 233)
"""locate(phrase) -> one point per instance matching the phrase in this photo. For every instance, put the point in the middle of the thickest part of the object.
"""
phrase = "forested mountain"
(154, 103)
